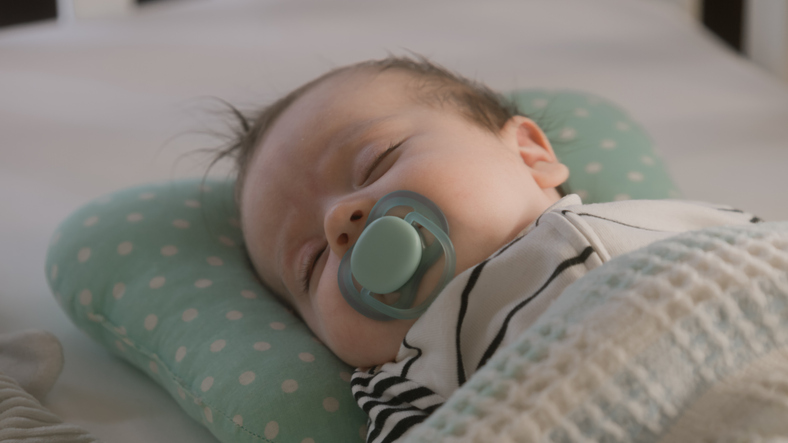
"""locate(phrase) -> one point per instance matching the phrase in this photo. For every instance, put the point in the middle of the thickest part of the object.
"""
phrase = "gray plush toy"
(30, 362)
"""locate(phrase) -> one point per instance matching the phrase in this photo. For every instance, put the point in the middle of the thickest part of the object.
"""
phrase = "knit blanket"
(685, 340)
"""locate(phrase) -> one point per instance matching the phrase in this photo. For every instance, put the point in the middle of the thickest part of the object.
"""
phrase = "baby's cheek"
(356, 339)
(350, 335)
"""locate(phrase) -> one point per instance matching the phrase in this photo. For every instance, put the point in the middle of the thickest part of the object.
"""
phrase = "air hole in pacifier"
(390, 299)
(426, 236)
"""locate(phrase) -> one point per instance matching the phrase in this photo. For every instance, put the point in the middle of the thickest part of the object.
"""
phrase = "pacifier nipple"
(386, 255)
(380, 275)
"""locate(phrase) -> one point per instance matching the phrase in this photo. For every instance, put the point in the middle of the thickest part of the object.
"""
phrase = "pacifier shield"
(390, 258)
(386, 255)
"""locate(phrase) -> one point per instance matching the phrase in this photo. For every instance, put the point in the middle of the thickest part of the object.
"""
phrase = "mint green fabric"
(158, 275)
(609, 155)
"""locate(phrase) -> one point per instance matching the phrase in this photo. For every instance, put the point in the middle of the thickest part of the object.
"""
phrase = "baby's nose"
(344, 238)
(343, 226)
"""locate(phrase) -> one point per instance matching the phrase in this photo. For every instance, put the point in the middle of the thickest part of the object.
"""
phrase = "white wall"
(766, 35)
(69, 10)
(693, 7)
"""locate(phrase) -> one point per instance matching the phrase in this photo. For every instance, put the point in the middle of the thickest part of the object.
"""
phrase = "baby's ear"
(535, 150)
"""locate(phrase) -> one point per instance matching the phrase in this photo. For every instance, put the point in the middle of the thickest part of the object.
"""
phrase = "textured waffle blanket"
(685, 340)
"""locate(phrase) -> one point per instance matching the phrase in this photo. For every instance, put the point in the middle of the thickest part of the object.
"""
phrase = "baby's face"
(315, 177)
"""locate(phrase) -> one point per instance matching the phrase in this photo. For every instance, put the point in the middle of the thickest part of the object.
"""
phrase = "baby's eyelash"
(307, 267)
(380, 158)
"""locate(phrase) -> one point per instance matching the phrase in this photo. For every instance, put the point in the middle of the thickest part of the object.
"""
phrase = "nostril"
(356, 215)
(342, 239)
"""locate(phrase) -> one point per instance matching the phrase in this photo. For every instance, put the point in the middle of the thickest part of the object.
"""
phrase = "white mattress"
(96, 106)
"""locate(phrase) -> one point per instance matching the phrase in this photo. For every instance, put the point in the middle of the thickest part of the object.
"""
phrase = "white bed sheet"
(93, 107)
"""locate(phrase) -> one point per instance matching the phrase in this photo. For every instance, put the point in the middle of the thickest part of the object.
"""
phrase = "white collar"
(568, 200)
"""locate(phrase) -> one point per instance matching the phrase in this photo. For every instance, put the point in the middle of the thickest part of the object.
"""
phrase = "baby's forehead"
(365, 88)
(340, 102)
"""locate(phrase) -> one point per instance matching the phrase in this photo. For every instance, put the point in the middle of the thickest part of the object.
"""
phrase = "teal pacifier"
(380, 275)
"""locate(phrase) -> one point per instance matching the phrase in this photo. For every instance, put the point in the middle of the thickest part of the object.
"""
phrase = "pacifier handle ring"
(418, 202)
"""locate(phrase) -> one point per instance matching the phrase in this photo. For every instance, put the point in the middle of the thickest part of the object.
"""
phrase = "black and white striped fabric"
(487, 306)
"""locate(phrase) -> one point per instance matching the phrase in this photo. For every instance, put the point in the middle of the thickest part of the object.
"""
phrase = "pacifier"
(379, 275)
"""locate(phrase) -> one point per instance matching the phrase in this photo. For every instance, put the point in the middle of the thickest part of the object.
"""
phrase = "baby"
(312, 165)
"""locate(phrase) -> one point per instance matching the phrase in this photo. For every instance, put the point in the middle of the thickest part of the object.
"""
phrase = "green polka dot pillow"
(158, 275)
(609, 155)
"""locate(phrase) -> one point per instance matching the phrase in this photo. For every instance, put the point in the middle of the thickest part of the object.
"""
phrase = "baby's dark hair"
(435, 86)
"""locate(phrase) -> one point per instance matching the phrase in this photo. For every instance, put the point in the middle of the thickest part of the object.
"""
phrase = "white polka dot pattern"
(83, 255)
(247, 378)
(568, 134)
(621, 197)
(261, 346)
(90, 221)
(189, 315)
(331, 404)
(635, 176)
(151, 321)
(214, 261)
(85, 297)
(593, 167)
(289, 386)
(271, 430)
(118, 290)
(608, 144)
(227, 241)
(157, 282)
(125, 248)
(202, 283)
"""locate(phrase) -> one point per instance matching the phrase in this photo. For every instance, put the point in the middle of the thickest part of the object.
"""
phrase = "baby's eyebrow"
(351, 132)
